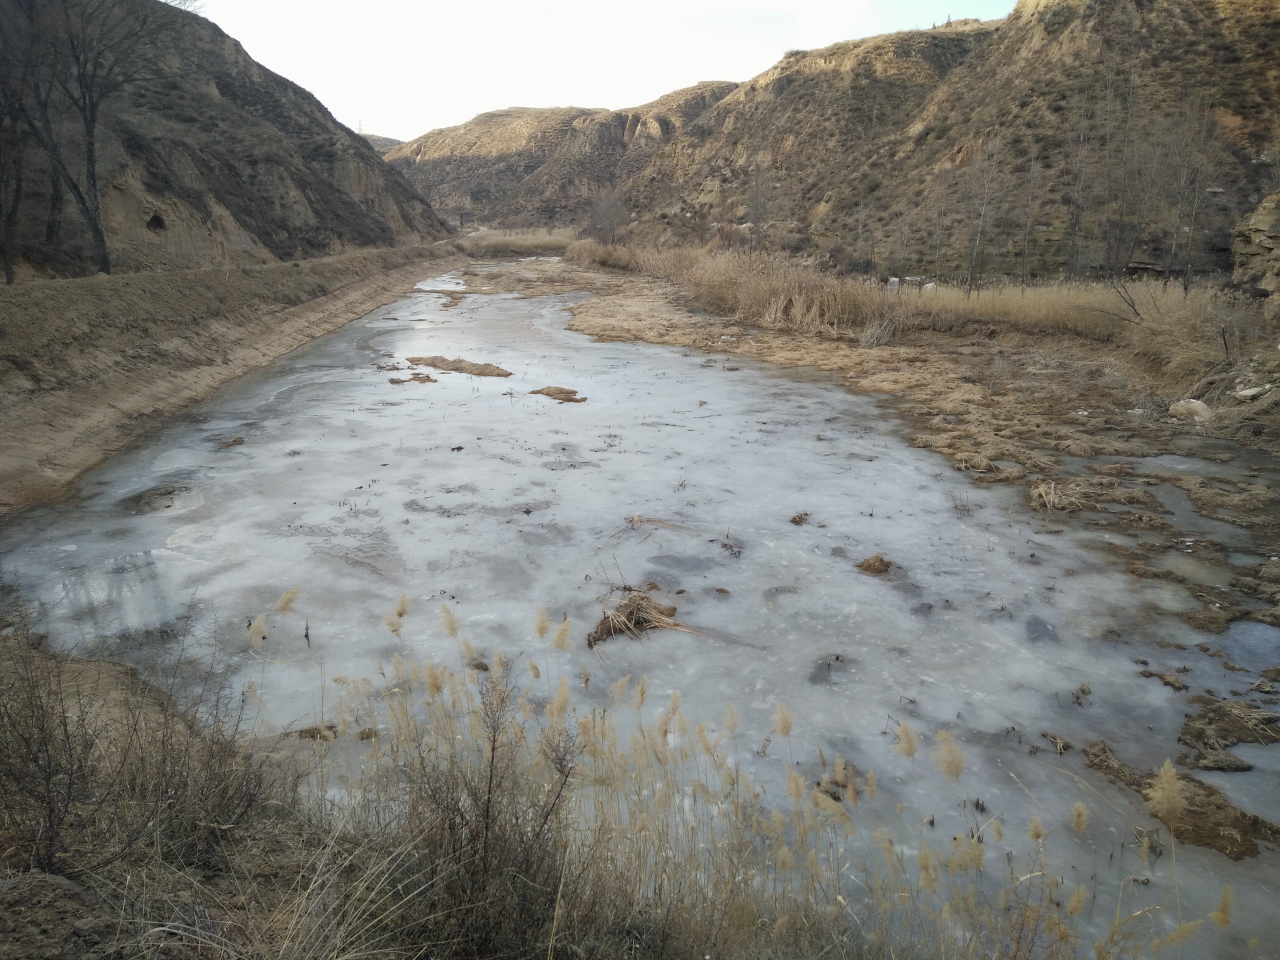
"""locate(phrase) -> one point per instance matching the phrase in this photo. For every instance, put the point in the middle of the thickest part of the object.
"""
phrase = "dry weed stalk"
(473, 821)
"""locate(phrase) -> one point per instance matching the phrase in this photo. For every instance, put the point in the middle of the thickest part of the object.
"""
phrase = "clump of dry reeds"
(1183, 334)
(98, 767)
(514, 243)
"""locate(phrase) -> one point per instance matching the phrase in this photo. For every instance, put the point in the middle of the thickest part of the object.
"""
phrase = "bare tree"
(13, 152)
(608, 216)
(1079, 158)
(1028, 218)
(85, 51)
(984, 189)
(1190, 136)
(759, 192)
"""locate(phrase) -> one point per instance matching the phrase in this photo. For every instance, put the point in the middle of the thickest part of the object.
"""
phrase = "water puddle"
(744, 497)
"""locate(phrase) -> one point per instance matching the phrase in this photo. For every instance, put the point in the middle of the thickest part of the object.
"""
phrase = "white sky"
(402, 67)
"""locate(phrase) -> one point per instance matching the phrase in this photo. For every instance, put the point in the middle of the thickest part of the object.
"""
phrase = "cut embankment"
(87, 366)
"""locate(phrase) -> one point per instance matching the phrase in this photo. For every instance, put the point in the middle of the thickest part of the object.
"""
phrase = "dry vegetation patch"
(1202, 816)
(458, 365)
(563, 394)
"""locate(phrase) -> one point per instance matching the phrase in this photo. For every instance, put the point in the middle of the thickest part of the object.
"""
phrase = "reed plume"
(947, 757)
(560, 642)
(783, 720)
(906, 742)
(1079, 816)
(449, 621)
(285, 603)
(1166, 795)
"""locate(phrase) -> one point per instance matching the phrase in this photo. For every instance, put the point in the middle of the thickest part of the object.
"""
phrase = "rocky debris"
(1192, 410)
(1252, 393)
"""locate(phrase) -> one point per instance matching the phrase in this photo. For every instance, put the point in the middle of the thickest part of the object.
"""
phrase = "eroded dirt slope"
(86, 366)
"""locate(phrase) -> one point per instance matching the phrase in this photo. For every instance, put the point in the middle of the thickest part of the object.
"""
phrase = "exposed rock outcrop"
(1257, 251)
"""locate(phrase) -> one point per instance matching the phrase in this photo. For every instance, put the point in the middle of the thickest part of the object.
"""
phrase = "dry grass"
(1184, 334)
(452, 813)
(518, 243)
(97, 766)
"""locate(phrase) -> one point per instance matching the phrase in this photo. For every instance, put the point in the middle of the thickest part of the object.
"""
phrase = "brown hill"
(527, 166)
(381, 144)
(221, 161)
(1076, 136)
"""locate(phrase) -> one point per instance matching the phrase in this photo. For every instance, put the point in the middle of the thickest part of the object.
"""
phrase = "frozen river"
(320, 472)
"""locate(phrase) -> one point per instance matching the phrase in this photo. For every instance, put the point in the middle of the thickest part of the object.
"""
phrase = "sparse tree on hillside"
(13, 154)
(1079, 170)
(759, 192)
(1190, 136)
(608, 216)
(984, 193)
(1028, 217)
(83, 52)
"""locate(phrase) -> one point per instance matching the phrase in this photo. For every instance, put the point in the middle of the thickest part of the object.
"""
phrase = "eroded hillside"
(1075, 136)
(220, 161)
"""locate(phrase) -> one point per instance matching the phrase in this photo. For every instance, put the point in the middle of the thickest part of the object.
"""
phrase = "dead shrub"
(96, 764)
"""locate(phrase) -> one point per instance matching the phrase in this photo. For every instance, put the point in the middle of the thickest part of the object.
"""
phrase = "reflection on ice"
(476, 493)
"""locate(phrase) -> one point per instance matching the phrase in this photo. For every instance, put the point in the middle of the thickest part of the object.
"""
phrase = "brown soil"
(1209, 820)
(414, 378)
(875, 565)
(563, 394)
(460, 366)
(1222, 724)
(88, 366)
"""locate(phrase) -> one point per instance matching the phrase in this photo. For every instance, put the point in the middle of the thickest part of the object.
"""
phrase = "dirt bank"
(87, 366)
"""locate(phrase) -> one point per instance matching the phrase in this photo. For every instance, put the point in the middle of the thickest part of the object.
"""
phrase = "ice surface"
(354, 488)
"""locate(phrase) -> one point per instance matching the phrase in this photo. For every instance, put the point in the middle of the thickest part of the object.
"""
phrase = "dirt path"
(88, 366)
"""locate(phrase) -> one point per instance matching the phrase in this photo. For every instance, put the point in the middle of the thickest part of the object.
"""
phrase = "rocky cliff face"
(1257, 251)
(224, 162)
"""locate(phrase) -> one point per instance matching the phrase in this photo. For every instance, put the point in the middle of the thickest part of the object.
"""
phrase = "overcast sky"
(402, 67)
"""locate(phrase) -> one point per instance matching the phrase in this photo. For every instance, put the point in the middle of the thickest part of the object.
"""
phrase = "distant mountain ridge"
(1083, 136)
